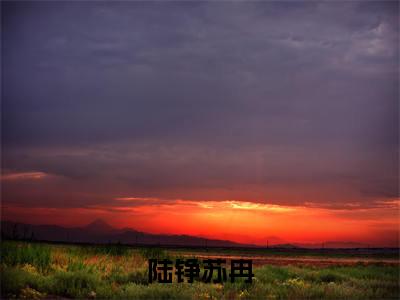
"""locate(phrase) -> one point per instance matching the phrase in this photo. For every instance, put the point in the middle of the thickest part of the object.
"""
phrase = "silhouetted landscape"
(100, 232)
(204, 150)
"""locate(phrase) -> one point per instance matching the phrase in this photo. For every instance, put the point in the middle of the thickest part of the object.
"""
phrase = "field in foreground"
(37, 270)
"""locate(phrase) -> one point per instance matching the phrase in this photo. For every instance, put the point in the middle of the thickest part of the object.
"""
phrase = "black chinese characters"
(214, 271)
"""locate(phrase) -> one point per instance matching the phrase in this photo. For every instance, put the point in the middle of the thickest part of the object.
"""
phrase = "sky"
(247, 120)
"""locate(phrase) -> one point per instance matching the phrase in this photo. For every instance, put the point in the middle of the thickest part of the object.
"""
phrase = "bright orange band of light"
(239, 221)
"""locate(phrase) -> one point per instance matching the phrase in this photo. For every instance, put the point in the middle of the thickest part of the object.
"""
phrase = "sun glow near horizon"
(239, 221)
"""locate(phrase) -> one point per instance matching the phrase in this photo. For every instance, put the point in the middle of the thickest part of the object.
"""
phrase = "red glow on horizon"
(239, 221)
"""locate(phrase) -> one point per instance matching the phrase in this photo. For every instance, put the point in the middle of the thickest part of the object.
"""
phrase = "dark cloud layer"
(283, 103)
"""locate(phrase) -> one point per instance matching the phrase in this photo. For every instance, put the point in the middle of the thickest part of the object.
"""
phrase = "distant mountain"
(100, 231)
(99, 226)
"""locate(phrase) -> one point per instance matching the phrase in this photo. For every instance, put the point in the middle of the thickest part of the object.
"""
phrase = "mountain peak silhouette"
(99, 226)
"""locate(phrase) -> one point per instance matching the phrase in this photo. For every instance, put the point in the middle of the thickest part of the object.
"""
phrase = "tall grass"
(153, 252)
(39, 270)
(37, 255)
(109, 249)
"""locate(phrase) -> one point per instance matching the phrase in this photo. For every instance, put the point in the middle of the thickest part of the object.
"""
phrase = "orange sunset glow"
(200, 149)
(256, 123)
(239, 221)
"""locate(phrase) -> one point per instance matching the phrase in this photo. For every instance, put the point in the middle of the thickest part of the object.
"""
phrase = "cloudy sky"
(142, 112)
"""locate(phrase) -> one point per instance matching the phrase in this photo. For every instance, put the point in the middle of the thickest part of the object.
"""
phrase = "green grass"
(37, 271)
(296, 252)
(23, 253)
(157, 253)
(112, 250)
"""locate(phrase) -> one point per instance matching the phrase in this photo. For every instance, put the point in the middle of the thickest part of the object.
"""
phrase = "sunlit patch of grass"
(59, 259)
(30, 269)
(29, 293)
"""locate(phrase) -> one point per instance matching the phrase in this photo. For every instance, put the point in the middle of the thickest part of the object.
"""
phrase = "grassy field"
(37, 270)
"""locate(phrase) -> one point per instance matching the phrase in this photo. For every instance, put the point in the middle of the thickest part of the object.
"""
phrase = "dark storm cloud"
(191, 99)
